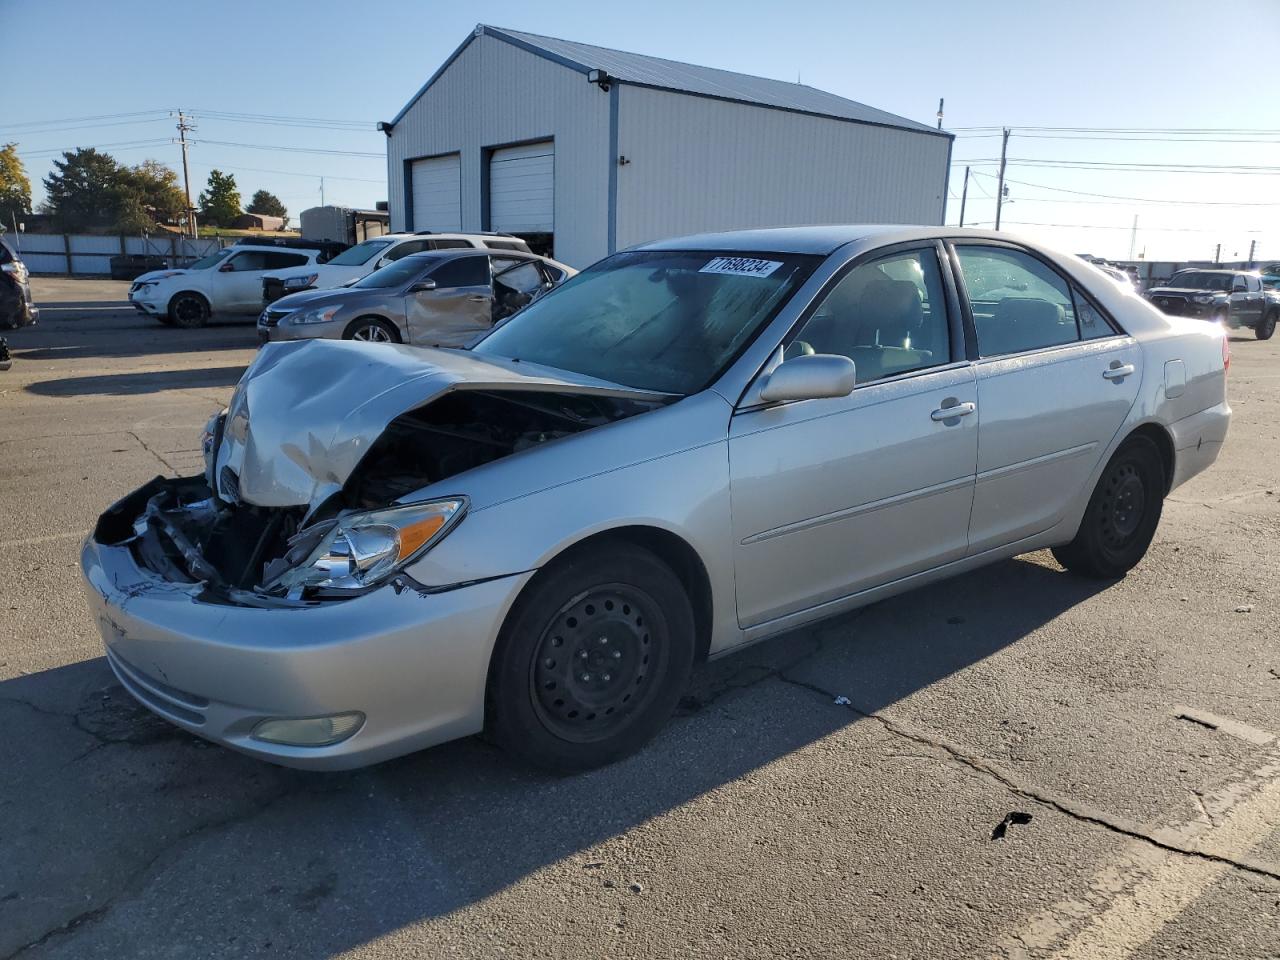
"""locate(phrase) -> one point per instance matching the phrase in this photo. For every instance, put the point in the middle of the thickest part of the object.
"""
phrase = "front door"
(238, 287)
(832, 497)
(459, 309)
(1055, 382)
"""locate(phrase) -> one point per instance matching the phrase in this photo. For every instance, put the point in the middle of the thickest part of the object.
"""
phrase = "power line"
(1127, 166)
(287, 173)
(1169, 130)
(1114, 197)
(1099, 226)
(1133, 139)
(266, 146)
(27, 124)
(120, 145)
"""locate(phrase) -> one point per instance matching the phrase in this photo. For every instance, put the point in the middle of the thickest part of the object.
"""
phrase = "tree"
(220, 201)
(267, 204)
(15, 188)
(151, 196)
(85, 190)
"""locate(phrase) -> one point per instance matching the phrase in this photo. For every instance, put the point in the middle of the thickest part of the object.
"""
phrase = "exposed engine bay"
(188, 533)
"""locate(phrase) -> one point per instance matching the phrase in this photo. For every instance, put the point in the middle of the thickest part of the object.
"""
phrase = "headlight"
(318, 315)
(1203, 298)
(363, 549)
(300, 283)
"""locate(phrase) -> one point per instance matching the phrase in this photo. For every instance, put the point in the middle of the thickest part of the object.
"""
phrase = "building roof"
(655, 72)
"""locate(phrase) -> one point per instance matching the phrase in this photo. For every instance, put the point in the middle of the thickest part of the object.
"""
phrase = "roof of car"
(1211, 270)
(822, 239)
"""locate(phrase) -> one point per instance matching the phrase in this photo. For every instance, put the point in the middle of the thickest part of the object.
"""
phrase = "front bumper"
(271, 333)
(414, 663)
(144, 304)
(16, 308)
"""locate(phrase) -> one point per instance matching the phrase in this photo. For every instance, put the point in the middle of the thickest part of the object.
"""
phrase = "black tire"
(591, 660)
(372, 330)
(189, 310)
(1122, 515)
(1266, 326)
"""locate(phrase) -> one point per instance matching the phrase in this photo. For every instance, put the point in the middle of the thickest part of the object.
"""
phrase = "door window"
(888, 316)
(1019, 303)
(248, 261)
(1092, 323)
(522, 277)
(449, 244)
(278, 261)
(406, 248)
(462, 272)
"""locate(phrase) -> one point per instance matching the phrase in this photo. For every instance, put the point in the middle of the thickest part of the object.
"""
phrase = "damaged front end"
(297, 508)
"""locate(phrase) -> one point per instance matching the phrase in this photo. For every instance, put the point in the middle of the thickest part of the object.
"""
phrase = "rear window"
(361, 253)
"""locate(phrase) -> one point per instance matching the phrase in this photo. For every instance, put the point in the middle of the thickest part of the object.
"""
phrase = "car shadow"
(126, 384)
(331, 861)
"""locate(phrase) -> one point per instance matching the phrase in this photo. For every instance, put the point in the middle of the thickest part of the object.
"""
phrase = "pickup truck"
(1234, 298)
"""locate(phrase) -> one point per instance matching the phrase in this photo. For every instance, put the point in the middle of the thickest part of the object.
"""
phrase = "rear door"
(1055, 380)
(458, 309)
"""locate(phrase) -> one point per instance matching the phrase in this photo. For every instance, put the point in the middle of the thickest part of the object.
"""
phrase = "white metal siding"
(697, 164)
(522, 188)
(494, 94)
(437, 194)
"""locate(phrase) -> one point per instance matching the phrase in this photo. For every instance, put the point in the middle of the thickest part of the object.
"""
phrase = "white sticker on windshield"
(742, 266)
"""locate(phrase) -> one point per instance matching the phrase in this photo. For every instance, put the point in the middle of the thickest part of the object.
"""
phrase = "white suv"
(362, 259)
(229, 281)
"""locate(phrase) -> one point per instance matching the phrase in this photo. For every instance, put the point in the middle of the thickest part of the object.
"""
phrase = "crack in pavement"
(142, 443)
(1062, 805)
(138, 876)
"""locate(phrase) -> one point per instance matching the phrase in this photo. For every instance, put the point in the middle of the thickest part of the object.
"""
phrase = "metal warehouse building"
(585, 150)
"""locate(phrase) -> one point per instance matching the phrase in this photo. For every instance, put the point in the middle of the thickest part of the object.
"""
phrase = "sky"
(1125, 68)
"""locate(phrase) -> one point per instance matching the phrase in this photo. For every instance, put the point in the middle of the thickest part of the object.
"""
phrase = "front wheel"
(189, 310)
(371, 330)
(592, 659)
(1266, 326)
(1122, 515)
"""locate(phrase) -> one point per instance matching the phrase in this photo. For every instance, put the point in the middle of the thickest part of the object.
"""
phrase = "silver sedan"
(442, 298)
(689, 447)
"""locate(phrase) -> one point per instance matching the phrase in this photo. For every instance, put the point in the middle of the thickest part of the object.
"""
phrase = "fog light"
(309, 731)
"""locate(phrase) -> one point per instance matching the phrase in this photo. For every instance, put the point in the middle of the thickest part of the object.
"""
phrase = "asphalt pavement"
(1028, 764)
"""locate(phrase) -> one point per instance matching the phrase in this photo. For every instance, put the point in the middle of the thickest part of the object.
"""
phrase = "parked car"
(226, 282)
(1232, 297)
(445, 298)
(375, 253)
(16, 307)
(688, 447)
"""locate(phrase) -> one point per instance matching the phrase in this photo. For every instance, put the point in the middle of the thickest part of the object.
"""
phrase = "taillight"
(1226, 352)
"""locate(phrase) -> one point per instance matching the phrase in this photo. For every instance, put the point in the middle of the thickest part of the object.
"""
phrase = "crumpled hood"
(307, 411)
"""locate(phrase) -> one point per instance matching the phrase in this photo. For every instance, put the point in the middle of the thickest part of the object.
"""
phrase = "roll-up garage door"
(437, 194)
(522, 188)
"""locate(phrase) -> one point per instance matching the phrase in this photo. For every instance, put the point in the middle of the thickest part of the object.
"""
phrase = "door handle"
(1119, 372)
(955, 410)
(477, 299)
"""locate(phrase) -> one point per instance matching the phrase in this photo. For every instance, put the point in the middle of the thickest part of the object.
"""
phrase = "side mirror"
(227, 267)
(812, 377)
(422, 286)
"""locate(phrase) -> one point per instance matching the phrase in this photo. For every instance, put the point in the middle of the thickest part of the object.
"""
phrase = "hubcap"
(595, 663)
(1122, 507)
(187, 309)
(372, 334)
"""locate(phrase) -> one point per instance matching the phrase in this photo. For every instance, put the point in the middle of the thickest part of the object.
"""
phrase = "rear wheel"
(189, 310)
(1266, 326)
(592, 660)
(1122, 514)
(371, 330)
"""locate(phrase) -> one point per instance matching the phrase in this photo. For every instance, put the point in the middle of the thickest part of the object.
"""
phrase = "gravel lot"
(1133, 723)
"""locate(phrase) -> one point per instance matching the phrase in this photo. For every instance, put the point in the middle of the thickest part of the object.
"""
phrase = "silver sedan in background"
(441, 298)
(690, 446)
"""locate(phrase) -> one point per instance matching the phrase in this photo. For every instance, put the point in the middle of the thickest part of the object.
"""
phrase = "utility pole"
(964, 195)
(1253, 248)
(1133, 237)
(941, 101)
(322, 191)
(1217, 254)
(185, 126)
(1004, 156)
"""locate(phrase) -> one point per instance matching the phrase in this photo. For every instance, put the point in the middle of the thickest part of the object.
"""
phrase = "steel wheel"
(593, 662)
(1120, 510)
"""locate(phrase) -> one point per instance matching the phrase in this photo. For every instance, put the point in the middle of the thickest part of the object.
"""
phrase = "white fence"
(90, 255)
